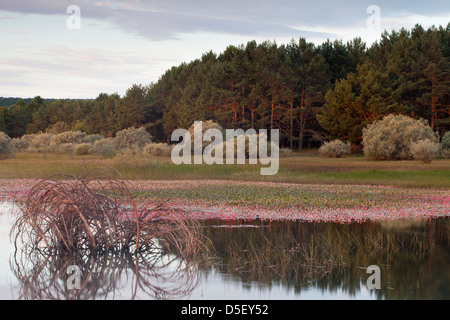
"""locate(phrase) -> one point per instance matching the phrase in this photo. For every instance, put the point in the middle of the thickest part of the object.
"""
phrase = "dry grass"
(94, 222)
(305, 167)
(97, 213)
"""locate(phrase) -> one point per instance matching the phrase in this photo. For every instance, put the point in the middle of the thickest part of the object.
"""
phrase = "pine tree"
(434, 102)
(355, 102)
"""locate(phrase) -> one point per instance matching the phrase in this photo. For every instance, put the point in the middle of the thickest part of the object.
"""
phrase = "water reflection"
(92, 224)
(413, 256)
(115, 275)
(283, 259)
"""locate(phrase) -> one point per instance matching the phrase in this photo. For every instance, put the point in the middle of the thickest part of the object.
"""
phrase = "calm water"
(253, 260)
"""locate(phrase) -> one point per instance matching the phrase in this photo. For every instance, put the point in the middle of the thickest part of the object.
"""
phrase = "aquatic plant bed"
(223, 199)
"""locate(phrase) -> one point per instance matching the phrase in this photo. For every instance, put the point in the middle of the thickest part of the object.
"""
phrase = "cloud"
(167, 19)
(66, 71)
(53, 61)
(162, 25)
(81, 62)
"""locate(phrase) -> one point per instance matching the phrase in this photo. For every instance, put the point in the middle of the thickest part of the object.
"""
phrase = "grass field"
(305, 168)
(306, 187)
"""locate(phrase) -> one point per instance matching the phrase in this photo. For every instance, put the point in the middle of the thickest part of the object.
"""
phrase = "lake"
(252, 259)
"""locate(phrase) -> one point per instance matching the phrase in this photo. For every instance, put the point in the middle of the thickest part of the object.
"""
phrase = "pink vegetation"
(204, 199)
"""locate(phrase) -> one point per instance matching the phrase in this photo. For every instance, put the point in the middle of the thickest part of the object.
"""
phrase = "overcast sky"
(120, 43)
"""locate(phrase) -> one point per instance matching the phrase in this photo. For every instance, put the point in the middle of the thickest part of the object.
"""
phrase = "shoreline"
(236, 200)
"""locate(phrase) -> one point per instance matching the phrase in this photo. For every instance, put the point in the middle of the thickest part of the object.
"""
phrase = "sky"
(81, 48)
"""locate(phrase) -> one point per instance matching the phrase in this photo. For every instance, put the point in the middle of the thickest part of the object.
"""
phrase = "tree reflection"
(414, 256)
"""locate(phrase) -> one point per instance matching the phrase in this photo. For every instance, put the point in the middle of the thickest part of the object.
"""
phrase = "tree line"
(311, 93)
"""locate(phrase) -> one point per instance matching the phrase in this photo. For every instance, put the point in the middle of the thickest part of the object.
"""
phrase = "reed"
(94, 222)
(96, 212)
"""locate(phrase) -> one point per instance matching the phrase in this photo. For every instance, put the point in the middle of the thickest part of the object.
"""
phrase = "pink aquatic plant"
(205, 199)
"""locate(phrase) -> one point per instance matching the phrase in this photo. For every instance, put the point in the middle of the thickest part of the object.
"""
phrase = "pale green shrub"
(63, 148)
(40, 142)
(391, 138)
(132, 138)
(20, 144)
(91, 138)
(158, 149)
(445, 154)
(105, 147)
(334, 149)
(206, 125)
(445, 146)
(424, 150)
(68, 137)
(6, 146)
(445, 141)
(29, 138)
(83, 149)
(251, 144)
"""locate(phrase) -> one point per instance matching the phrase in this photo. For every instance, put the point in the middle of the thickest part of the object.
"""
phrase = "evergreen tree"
(355, 102)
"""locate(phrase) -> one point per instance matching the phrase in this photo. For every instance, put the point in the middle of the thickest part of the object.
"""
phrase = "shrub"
(20, 144)
(58, 127)
(6, 146)
(68, 137)
(105, 147)
(445, 141)
(391, 138)
(285, 152)
(132, 138)
(83, 149)
(334, 149)
(41, 142)
(91, 138)
(29, 137)
(206, 125)
(424, 150)
(158, 149)
(445, 146)
(63, 148)
(251, 143)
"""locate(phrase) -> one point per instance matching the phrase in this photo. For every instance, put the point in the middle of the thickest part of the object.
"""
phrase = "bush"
(158, 149)
(285, 152)
(63, 148)
(6, 146)
(392, 137)
(58, 127)
(445, 142)
(68, 137)
(251, 143)
(445, 146)
(20, 144)
(424, 150)
(334, 149)
(105, 147)
(83, 149)
(132, 138)
(206, 125)
(40, 142)
(91, 138)
(29, 138)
